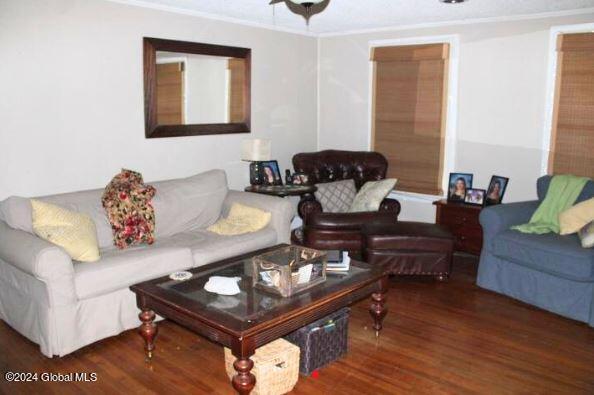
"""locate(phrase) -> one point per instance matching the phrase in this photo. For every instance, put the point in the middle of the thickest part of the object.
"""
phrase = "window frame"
(452, 106)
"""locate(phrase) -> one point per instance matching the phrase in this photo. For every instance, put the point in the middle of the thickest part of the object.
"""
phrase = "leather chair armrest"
(390, 205)
(308, 207)
(349, 221)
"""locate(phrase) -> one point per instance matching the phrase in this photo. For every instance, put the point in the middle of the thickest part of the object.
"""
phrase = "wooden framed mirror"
(194, 89)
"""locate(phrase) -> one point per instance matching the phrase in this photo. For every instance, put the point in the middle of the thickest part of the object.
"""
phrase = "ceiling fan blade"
(276, 2)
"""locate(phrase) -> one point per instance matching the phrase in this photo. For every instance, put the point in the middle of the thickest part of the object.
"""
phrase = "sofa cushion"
(560, 256)
(208, 247)
(118, 269)
(189, 203)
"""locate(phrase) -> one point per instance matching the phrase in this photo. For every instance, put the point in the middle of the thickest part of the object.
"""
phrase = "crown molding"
(207, 15)
(470, 21)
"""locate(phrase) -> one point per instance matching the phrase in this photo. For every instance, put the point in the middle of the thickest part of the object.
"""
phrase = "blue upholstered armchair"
(549, 271)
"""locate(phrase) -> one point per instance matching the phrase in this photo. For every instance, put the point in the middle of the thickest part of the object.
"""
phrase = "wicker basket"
(276, 367)
(322, 341)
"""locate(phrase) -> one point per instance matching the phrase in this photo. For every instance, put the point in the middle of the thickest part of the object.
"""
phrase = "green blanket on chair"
(562, 194)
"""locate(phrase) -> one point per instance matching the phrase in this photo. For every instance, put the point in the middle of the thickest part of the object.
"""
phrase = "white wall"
(71, 108)
(501, 100)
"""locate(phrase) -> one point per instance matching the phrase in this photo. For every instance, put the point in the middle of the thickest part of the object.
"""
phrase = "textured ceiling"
(347, 15)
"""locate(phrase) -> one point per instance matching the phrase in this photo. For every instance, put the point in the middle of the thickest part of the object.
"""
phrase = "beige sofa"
(64, 305)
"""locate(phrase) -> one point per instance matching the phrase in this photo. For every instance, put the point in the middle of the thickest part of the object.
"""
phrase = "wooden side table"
(282, 190)
(463, 221)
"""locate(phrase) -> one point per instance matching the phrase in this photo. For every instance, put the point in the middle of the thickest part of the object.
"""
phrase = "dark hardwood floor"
(438, 338)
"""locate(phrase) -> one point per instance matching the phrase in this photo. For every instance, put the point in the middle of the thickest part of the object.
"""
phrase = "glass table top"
(252, 305)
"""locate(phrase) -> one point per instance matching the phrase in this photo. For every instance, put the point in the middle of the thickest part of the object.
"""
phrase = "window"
(170, 93)
(409, 113)
(236, 90)
(572, 138)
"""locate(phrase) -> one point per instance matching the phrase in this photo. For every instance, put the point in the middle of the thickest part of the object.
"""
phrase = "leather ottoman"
(410, 248)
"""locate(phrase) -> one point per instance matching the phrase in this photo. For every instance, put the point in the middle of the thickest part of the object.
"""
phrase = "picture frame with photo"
(475, 197)
(300, 179)
(496, 190)
(458, 184)
(270, 173)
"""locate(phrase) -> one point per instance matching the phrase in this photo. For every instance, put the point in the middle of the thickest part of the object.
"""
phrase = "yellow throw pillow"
(75, 232)
(575, 218)
(241, 219)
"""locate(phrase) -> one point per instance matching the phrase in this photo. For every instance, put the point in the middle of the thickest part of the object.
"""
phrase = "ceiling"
(348, 15)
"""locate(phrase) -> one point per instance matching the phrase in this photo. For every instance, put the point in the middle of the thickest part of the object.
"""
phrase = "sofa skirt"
(569, 298)
(60, 330)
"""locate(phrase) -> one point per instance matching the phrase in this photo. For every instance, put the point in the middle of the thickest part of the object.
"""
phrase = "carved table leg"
(378, 309)
(244, 381)
(148, 330)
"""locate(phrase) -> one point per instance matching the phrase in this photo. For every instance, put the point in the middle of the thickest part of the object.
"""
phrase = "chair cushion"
(209, 247)
(416, 236)
(118, 269)
(550, 253)
(336, 197)
(349, 221)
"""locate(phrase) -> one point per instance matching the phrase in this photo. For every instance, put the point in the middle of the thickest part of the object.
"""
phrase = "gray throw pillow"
(587, 235)
(371, 194)
(337, 196)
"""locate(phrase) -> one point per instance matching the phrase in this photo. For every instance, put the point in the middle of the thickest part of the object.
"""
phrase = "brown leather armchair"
(340, 231)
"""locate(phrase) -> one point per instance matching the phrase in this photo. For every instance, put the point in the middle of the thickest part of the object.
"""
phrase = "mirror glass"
(199, 89)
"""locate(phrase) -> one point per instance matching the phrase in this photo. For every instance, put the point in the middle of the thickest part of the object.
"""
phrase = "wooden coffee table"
(252, 318)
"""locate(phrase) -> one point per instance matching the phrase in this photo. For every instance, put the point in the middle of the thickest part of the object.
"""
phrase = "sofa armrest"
(40, 259)
(499, 218)
(282, 210)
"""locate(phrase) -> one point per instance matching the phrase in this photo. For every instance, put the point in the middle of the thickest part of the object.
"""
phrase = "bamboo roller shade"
(237, 92)
(410, 97)
(170, 94)
(572, 140)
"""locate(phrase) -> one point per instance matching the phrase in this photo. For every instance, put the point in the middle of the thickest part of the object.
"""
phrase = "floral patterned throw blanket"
(127, 201)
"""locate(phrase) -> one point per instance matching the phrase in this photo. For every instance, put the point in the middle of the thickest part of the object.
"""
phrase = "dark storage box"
(322, 341)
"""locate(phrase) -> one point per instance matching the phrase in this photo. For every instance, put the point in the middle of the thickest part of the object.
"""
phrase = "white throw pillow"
(337, 196)
(371, 195)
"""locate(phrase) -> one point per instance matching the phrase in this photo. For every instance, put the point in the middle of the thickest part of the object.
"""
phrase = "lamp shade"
(255, 150)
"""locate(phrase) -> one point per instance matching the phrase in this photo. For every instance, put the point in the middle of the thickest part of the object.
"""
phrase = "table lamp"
(255, 151)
